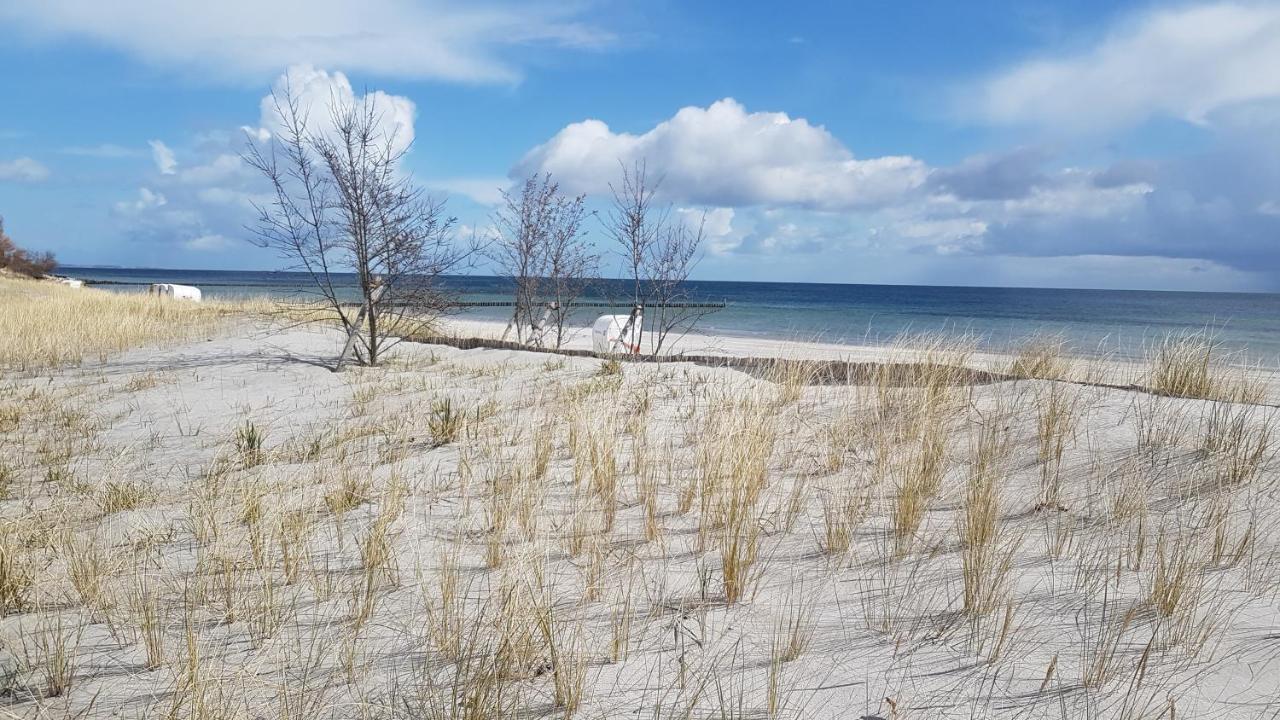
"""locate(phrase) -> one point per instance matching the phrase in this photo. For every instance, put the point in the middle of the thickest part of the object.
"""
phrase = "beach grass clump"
(1041, 357)
(444, 423)
(1194, 365)
(610, 368)
(791, 377)
(1058, 410)
(49, 325)
(118, 495)
(248, 442)
(352, 490)
(985, 563)
(16, 577)
(842, 512)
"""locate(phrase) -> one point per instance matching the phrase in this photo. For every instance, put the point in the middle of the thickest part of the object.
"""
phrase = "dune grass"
(1194, 365)
(47, 325)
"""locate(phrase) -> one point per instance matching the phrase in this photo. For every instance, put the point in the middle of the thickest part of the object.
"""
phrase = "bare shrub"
(20, 261)
(658, 254)
(541, 250)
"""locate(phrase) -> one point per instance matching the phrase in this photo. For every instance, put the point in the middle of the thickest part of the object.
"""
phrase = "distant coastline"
(1121, 322)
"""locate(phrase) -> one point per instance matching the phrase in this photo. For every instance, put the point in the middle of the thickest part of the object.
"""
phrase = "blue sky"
(1068, 144)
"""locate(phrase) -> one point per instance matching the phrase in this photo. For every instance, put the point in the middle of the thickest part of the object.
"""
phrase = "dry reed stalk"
(1239, 441)
(795, 625)
(88, 569)
(447, 616)
(1161, 424)
(918, 478)
(53, 648)
(842, 512)
(16, 577)
(1058, 411)
(985, 565)
(1101, 645)
(144, 603)
(791, 377)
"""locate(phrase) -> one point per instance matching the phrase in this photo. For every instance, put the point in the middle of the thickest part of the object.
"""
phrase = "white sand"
(889, 636)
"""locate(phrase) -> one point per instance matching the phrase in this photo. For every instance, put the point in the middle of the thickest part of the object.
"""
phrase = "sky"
(1082, 144)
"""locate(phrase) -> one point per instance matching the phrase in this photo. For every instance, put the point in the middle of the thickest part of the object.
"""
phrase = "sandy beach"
(223, 527)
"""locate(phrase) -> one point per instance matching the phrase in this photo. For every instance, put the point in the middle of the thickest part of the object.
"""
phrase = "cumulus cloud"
(724, 155)
(204, 203)
(1008, 175)
(223, 168)
(164, 158)
(319, 92)
(23, 169)
(1186, 62)
(242, 40)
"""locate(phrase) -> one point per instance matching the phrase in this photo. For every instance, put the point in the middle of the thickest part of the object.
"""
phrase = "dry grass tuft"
(1194, 365)
(1042, 357)
(15, 572)
(117, 495)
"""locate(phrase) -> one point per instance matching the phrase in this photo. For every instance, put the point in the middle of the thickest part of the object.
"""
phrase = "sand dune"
(226, 528)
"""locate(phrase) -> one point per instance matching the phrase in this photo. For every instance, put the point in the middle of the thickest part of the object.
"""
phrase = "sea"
(1124, 323)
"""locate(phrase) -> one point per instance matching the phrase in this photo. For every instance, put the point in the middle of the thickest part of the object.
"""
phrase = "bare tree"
(571, 265)
(667, 268)
(634, 224)
(519, 249)
(341, 203)
(18, 260)
(658, 255)
(541, 249)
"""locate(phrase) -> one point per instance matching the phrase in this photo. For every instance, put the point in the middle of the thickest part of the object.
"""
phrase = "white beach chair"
(178, 292)
(614, 333)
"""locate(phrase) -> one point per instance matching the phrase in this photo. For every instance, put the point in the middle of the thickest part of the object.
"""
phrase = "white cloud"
(23, 169)
(717, 227)
(166, 163)
(715, 222)
(246, 39)
(220, 169)
(147, 199)
(1186, 62)
(723, 155)
(318, 92)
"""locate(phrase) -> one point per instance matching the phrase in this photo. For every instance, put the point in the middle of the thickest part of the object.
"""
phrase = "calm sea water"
(1119, 321)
